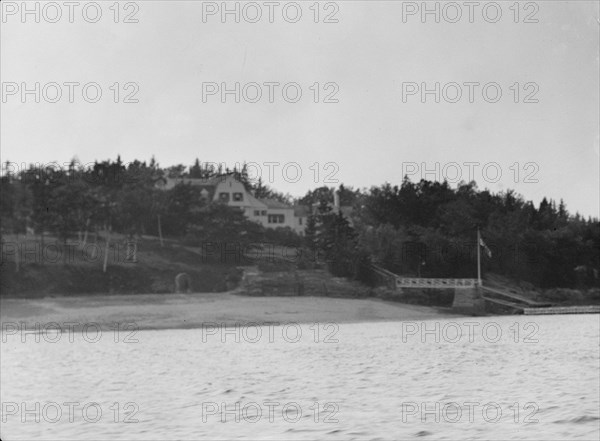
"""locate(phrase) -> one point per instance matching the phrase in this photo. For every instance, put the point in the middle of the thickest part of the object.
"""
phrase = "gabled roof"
(255, 202)
(196, 182)
(274, 203)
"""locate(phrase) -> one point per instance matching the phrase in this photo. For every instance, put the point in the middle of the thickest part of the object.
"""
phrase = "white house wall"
(254, 209)
(230, 186)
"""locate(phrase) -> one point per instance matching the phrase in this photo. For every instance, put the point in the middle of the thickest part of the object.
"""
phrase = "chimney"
(336, 201)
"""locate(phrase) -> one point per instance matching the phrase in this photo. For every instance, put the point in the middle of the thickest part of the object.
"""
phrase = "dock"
(591, 309)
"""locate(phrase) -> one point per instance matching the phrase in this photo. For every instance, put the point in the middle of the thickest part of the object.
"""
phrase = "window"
(238, 197)
(256, 212)
(263, 213)
(276, 218)
(224, 197)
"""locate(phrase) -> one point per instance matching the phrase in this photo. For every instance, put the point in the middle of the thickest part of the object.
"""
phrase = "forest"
(419, 229)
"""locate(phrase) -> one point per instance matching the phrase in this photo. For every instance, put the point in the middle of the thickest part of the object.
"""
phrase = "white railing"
(404, 282)
(417, 282)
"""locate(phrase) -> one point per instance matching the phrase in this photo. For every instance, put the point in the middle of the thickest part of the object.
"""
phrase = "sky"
(535, 129)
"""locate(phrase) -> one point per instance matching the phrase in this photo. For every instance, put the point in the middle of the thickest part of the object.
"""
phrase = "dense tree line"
(428, 229)
(113, 197)
(425, 228)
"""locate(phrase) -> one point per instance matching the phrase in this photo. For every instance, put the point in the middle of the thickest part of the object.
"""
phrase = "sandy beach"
(160, 311)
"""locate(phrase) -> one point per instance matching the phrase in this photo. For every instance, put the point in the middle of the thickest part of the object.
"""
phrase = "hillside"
(49, 270)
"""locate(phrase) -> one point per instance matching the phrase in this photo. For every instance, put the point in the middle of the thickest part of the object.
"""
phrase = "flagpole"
(478, 258)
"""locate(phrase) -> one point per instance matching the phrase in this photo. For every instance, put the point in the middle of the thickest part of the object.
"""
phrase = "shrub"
(283, 236)
(594, 294)
(363, 271)
(278, 266)
(563, 295)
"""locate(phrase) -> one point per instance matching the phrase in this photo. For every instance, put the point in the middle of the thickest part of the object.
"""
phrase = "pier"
(472, 297)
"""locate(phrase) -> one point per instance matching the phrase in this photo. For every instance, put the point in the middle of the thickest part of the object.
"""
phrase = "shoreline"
(189, 311)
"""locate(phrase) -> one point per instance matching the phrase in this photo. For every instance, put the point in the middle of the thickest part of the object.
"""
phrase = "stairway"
(502, 301)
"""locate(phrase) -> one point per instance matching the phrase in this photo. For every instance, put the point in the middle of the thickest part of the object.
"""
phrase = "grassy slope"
(45, 273)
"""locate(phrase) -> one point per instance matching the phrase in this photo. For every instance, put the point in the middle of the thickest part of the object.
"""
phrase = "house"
(270, 213)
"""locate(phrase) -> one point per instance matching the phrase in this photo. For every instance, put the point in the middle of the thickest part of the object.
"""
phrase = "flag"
(485, 247)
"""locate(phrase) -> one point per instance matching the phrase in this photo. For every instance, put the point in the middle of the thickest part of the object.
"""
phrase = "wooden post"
(478, 258)
(85, 236)
(106, 253)
(160, 236)
(131, 253)
(17, 253)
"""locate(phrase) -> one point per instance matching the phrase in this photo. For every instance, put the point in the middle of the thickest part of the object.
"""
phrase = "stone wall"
(468, 301)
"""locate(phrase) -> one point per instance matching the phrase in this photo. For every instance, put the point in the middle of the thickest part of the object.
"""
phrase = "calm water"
(539, 379)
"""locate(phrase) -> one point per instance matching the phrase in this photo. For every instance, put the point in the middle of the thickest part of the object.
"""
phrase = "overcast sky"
(370, 54)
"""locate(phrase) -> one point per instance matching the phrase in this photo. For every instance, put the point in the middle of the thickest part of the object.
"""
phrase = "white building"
(270, 213)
